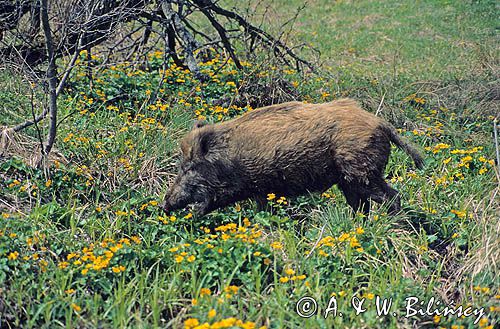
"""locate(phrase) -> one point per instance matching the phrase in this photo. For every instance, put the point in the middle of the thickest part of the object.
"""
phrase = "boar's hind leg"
(355, 196)
(381, 192)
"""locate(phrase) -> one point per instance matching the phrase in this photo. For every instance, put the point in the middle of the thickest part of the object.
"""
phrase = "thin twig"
(380, 105)
(38, 132)
(317, 241)
(495, 132)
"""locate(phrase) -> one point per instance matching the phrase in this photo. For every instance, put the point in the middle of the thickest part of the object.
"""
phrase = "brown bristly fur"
(288, 149)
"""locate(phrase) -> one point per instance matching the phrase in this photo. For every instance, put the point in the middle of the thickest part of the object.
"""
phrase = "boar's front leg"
(261, 202)
(204, 207)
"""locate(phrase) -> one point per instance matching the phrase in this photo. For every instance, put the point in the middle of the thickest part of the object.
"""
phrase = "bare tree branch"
(190, 43)
(51, 76)
(63, 30)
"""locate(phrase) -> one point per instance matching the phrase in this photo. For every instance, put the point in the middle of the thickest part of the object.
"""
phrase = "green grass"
(84, 245)
(416, 39)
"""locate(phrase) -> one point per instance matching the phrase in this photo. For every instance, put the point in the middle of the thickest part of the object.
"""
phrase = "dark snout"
(166, 207)
(199, 208)
(169, 207)
(175, 199)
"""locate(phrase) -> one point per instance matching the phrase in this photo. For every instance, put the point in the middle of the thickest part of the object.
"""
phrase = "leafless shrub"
(34, 34)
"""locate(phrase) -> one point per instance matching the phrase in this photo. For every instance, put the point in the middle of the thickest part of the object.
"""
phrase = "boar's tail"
(405, 146)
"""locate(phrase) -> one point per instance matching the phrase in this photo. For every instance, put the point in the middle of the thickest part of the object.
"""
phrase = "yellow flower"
(437, 318)
(76, 307)
(276, 245)
(48, 183)
(343, 237)
(281, 200)
(460, 214)
(284, 279)
(370, 296)
(454, 236)
(289, 271)
(439, 147)
(188, 216)
(271, 196)
(212, 313)
(13, 255)
(205, 291)
(257, 253)
(191, 258)
(354, 242)
(15, 182)
(483, 322)
(321, 252)
(63, 265)
(360, 230)
(69, 291)
(118, 269)
(179, 258)
(419, 100)
(233, 289)
(136, 239)
(191, 323)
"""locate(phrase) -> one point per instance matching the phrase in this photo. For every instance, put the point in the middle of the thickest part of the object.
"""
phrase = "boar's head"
(197, 177)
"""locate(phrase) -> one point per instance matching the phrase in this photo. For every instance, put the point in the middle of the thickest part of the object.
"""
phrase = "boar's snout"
(166, 206)
(183, 193)
(175, 198)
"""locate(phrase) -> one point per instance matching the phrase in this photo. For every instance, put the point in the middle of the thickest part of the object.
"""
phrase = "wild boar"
(288, 149)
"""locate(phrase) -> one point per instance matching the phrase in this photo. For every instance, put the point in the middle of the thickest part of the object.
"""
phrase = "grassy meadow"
(83, 243)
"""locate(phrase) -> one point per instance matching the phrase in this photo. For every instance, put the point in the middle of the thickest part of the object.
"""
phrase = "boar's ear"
(198, 124)
(206, 140)
(185, 147)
